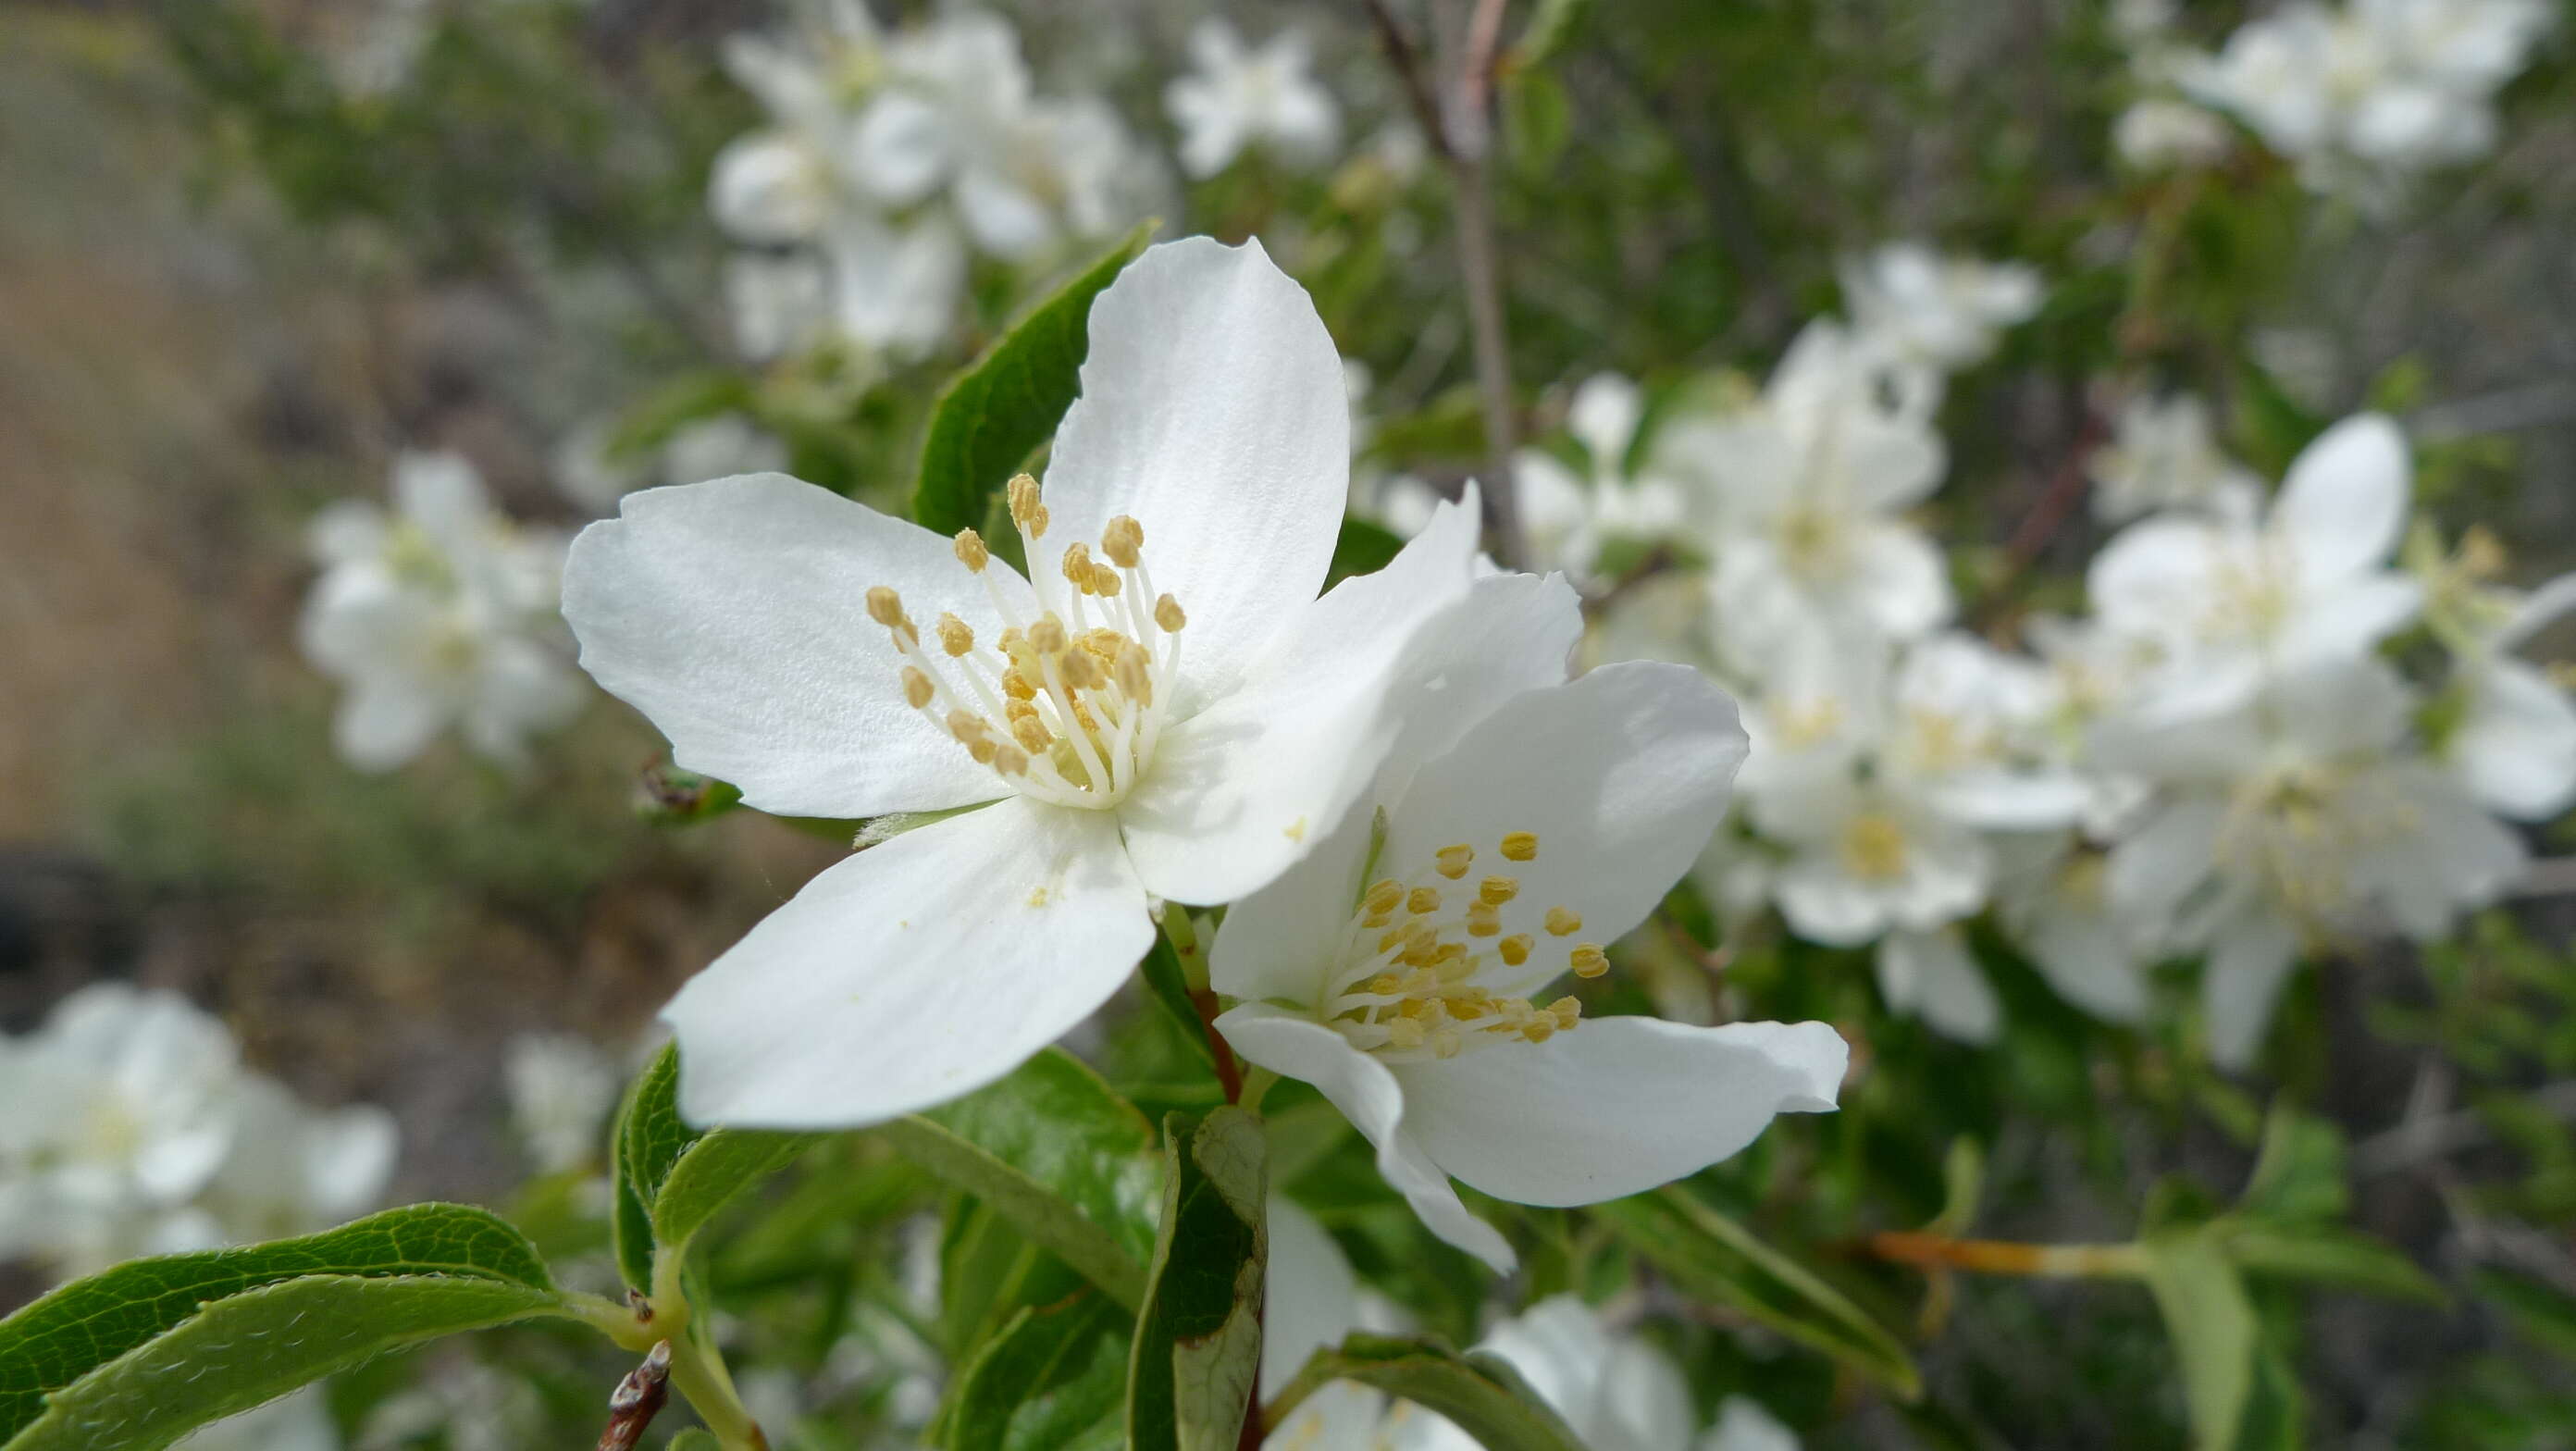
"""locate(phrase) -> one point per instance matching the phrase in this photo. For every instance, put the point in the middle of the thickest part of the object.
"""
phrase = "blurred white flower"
(1865, 860)
(1616, 1392)
(561, 1090)
(1566, 517)
(294, 1169)
(1743, 1425)
(2160, 133)
(1239, 97)
(708, 448)
(2163, 456)
(440, 614)
(2053, 895)
(1940, 312)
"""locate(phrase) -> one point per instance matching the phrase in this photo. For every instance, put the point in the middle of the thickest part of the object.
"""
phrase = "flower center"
(1065, 708)
(1407, 986)
(2300, 827)
(1873, 847)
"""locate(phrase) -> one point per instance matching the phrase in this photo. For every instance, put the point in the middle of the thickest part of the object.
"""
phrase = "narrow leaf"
(1170, 988)
(1058, 1122)
(1032, 1204)
(710, 1172)
(1198, 1337)
(647, 1139)
(1480, 1392)
(68, 1334)
(2329, 1255)
(2211, 1322)
(240, 1352)
(1051, 1379)
(1712, 1257)
(997, 412)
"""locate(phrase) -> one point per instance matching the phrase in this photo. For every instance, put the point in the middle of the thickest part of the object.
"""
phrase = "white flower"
(1566, 517)
(1238, 98)
(1865, 860)
(1175, 715)
(2053, 894)
(561, 1090)
(2228, 601)
(295, 1169)
(438, 616)
(2163, 457)
(1941, 312)
(1617, 1392)
(1743, 1425)
(1516, 825)
(1804, 489)
(2160, 134)
(2301, 815)
(2511, 729)
(1964, 735)
(297, 1421)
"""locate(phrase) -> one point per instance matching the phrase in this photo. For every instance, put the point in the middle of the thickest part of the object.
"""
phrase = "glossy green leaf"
(1198, 1337)
(1480, 1392)
(1054, 1377)
(2211, 1323)
(646, 1140)
(70, 1333)
(1363, 548)
(711, 1172)
(2329, 1255)
(1713, 1258)
(246, 1349)
(997, 413)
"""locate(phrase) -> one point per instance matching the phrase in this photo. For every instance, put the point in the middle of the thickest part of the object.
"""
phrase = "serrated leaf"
(711, 1172)
(2211, 1323)
(55, 1341)
(1714, 1258)
(2329, 1255)
(996, 413)
(1479, 1391)
(242, 1351)
(1053, 1378)
(1061, 1157)
(1198, 1337)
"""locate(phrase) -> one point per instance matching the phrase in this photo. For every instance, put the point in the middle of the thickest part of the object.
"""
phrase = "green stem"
(1183, 934)
(1256, 1082)
(700, 1374)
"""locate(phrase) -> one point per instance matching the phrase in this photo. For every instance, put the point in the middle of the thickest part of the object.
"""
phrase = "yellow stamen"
(1588, 960)
(1454, 860)
(1077, 565)
(1047, 636)
(917, 691)
(971, 551)
(1422, 900)
(1495, 891)
(1010, 760)
(955, 635)
(1562, 923)
(1168, 616)
(1383, 895)
(885, 606)
(1515, 949)
(1520, 846)
(1122, 541)
(1484, 920)
(1026, 510)
(1567, 1012)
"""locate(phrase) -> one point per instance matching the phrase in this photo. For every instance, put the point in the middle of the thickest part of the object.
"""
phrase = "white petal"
(1744, 1425)
(1902, 586)
(1931, 974)
(1368, 1095)
(2004, 800)
(2345, 621)
(1824, 904)
(1313, 1298)
(2517, 746)
(921, 969)
(1212, 412)
(734, 615)
(898, 148)
(2154, 574)
(1615, 1107)
(2240, 983)
(1245, 787)
(348, 1156)
(1003, 217)
(1623, 775)
(2536, 612)
(2173, 852)
(2086, 960)
(385, 722)
(2344, 500)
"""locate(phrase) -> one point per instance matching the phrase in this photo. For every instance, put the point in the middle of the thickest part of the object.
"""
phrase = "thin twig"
(2417, 1140)
(1405, 58)
(637, 1400)
(2049, 513)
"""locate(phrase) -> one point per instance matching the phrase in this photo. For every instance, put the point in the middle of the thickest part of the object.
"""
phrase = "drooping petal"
(1369, 1096)
(1245, 787)
(2241, 982)
(2344, 622)
(2163, 860)
(1931, 974)
(918, 970)
(1212, 412)
(2516, 747)
(1622, 775)
(734, 615)
(1616, 1106)
(1313, 1298)
(2085, 958)
(2343, 501)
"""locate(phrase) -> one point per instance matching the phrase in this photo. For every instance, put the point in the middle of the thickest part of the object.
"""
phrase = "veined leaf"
(2211, 1322)
(719, 1166)
(1053, 1378)
(1198, 1337)
(671, 1178)
(996, 413)
(1480, 1392)
(1713, 1258)
(84, 1325)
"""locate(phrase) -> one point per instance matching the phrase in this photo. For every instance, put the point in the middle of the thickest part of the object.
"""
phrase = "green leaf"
(2211, 1322)
(1363, 548)
(1061, 1157)
(55, 1341)
(1054, 1377)
(1481, 1392)
(2545, 1314)
(996, 413)
(1170, 988)
(2298, 1173)
(2334, 1256)
(241, 1351)
(695, 1438)
(1713, 1258)
(719, 1166)
(1198, 1337)
(648, 1138)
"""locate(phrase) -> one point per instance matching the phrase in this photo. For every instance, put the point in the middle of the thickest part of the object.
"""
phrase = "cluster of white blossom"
(133, 1128)
(440, 614)
(891, 157)
(2361, 95)
(1238, 98)
(2218, 760)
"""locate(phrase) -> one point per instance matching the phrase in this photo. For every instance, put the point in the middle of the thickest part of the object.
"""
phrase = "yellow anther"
(1422, 900)
(1026, 510)
(1010, 640)
(955, 635)
(983, 749)
(1077, 565)
(1434, 1012)
(1520, 846)
(1562, 923)
(1135, 674)
(1588, 960)
(1423, 951)
(1031, 733)
(967, 726)
(1383, 895)
(1402, 933)
(1009, 759)
(1386, 984)
(1515, 949)
(1454, 860)
(1104, 582)
(1403, 1033)
(1498, 890)
(1447, 1043)
(917, 690)
(1082, 671)
(1168, 617)
(1047, 636)
(885, 606)
(1018, 686)
(1122, 541)
(1484, 920)
(1566, 1011)
(1539, 1028)
(971, 551)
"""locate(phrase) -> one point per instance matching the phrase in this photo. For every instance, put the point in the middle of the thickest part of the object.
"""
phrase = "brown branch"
(2058, 497)
(1406, 60)
(637, 1400)
(1229, 1074)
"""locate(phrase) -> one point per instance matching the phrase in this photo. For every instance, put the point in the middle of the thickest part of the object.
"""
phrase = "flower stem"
(2004, 1257)
(1256, 1082)
(700, 1374)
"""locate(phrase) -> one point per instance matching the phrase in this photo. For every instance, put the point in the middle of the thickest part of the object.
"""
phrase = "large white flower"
(1516, 826)
(2163, 457)
(1240, 97)
(2304, 815)
(1940, 312)
(1164, 710)
(439, 615)
(2227, 602)
(1566, 517)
